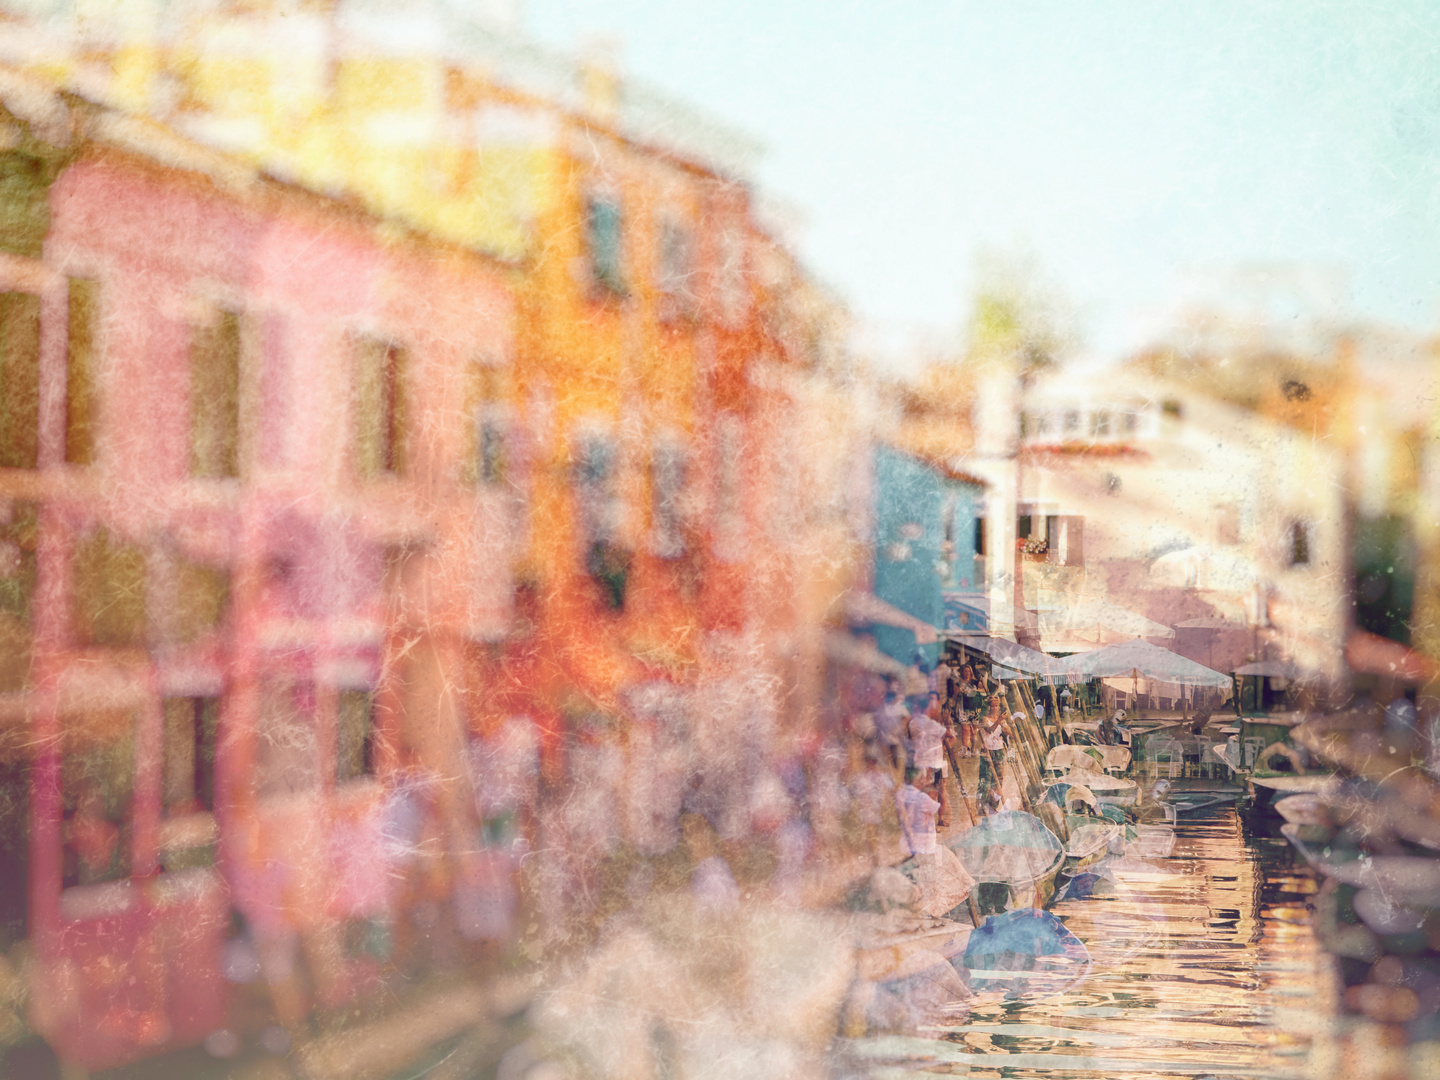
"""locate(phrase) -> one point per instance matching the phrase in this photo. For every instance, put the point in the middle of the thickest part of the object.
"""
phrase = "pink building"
(243, 551)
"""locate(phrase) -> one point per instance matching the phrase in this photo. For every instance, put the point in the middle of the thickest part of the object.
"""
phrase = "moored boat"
(1015, 855)
(1115, 790)
(1024, 953)
(1088, 845)
(1265, 789)
(1412, 881)
(1305, 808)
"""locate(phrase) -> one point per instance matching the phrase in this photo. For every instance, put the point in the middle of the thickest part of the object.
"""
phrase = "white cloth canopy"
(1016, 657)
(1143, 659)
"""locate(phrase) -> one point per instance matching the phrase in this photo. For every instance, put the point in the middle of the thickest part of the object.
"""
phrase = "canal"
(1202, 965)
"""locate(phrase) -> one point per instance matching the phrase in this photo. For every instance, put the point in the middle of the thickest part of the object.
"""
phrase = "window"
(1100, 424)
(215, 397)
(24, 203)
(108, 591)
(97, 786)
(1072, 421)
(379, 407)
(18, 535)
(1067, 540)
(1384, 560)
(490, 445)
(355, 735)
(489, 435)
(598, 508)
(192, 727)
(81, 368)
(667, 488)
(596, 467)
(19, 380)
(1130, 421)
(604, 236)
(198, 604)
(1299, 543)
(675, 260)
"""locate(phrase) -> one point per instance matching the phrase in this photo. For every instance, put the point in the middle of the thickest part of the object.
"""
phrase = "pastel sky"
(1131, 146)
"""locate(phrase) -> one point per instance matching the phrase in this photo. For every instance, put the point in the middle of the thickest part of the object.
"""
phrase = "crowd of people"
(920, 739)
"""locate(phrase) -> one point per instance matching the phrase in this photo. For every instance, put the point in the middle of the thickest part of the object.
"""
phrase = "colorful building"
(418, 450)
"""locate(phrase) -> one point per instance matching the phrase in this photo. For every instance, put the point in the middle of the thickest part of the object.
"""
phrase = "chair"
(1253, 746)
(1171, 751)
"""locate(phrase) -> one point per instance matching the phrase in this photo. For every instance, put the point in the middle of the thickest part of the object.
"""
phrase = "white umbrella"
(1140, 658)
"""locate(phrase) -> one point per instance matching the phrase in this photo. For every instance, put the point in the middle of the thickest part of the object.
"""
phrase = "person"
(890, 722)
(992, 755)
(939, 678)
(1114, 731)
(917, 817)
(1201, 718)
(927, 740)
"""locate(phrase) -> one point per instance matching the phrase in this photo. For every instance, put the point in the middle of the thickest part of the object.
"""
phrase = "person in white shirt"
(917, 817)
(927, 742)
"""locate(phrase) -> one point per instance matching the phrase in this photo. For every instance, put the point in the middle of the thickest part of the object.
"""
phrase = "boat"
(1013, 858)
(1383, 915)
(1152, 842)
(1411, 881)
(1266, 788)
(1115, 790)
(1088, 844)
(1306, 808)
(1188, 802)
(1024, 953)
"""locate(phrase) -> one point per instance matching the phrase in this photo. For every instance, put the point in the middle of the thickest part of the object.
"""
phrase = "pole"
(960, 782)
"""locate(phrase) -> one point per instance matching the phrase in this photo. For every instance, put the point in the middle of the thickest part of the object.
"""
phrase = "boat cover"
(1010, 847)
(1025, 952)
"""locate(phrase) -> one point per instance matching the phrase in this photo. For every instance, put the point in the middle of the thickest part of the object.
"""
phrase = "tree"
(1020, 317)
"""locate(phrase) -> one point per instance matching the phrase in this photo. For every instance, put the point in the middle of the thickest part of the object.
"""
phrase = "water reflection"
(1202, 965)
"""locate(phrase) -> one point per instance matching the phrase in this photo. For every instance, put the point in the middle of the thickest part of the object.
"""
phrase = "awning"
(1015, 656)
(862, 608)
(1140, 658)
(1371, 654)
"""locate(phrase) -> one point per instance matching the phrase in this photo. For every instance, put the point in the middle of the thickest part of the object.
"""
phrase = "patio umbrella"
(1139, 658)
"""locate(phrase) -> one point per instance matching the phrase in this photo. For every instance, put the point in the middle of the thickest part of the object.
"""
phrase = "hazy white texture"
(1130, 144)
